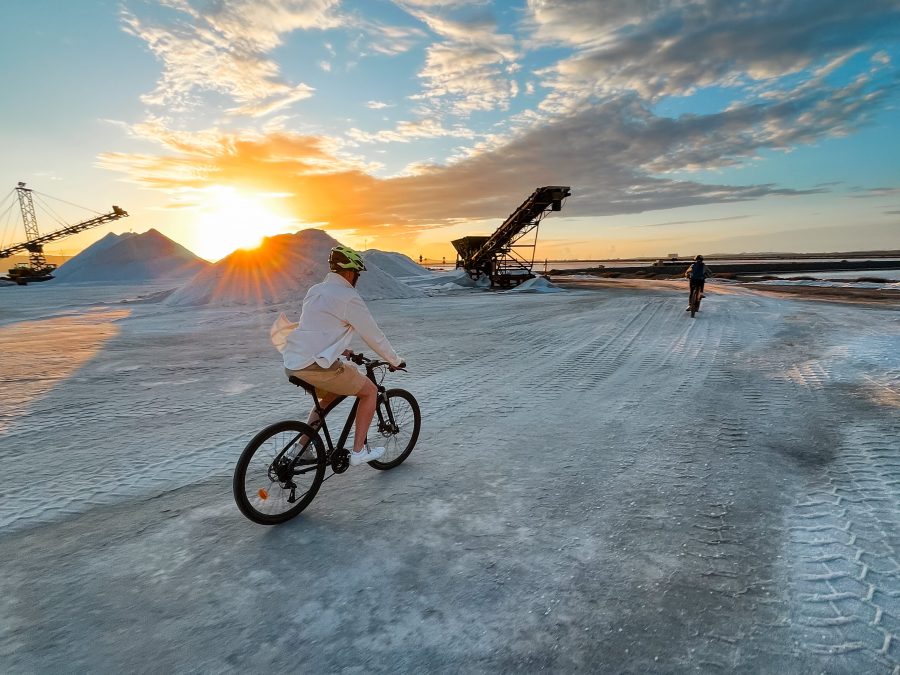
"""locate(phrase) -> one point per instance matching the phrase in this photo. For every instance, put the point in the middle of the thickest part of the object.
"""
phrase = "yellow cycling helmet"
(345, 258)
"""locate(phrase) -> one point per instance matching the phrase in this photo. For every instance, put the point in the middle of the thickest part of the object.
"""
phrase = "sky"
(688, 126)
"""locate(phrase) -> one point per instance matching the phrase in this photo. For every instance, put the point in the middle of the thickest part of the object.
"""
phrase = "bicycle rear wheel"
(396, 426)
(276, 477)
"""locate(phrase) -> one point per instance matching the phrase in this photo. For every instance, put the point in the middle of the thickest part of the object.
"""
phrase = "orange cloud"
(615, 156)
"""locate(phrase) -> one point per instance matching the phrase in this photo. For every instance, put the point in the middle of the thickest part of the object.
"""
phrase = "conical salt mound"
(281, 269)
(395, 264)
(128, 258)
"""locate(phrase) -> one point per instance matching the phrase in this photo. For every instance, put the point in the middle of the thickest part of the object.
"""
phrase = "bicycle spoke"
(269, 474)
(381, 433)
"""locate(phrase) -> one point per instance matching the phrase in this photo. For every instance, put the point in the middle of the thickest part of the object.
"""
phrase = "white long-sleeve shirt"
(332, 312)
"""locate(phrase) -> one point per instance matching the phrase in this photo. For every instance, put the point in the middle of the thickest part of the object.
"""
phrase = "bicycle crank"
(340, 460)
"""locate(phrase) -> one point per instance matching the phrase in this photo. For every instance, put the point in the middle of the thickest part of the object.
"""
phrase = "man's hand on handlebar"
(360, 359)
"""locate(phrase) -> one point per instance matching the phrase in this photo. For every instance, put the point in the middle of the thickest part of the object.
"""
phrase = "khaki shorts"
(339, 378)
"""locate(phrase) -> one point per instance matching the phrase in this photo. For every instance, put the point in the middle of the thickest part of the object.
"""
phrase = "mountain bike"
(694, 301)
(283, 466)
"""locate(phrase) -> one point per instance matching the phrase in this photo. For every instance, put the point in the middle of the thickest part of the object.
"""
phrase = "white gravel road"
(601, 483)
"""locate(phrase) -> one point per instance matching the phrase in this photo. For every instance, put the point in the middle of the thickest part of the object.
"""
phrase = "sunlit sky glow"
(684, 126)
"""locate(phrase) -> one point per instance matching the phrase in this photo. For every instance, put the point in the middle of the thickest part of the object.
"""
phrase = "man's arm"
(358, 316)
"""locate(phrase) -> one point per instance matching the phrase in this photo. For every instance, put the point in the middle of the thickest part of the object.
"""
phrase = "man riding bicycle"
(697, 273)
(333, 312)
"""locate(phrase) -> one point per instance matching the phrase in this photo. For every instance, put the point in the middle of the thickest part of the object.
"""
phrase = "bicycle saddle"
(307, 387)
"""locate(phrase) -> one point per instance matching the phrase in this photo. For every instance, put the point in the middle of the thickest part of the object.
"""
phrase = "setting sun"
(229, 220)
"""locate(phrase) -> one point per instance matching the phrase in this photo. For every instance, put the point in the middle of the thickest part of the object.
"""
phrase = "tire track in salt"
(698, 467)
(843, 542)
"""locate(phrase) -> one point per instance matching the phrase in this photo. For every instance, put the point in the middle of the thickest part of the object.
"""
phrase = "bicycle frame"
(348, 425)
(351, 416)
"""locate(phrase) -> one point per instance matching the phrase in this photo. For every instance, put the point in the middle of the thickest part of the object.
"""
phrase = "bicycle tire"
(262, 483)
(408, 418)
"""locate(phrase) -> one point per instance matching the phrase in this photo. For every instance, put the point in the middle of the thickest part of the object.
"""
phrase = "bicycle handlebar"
(360, 360)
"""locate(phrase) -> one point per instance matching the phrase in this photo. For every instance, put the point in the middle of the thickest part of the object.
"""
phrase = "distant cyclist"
(333, 312)
(697, 274)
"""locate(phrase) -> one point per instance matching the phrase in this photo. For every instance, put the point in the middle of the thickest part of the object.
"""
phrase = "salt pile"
(131, 257)
(395, 264)
(280, 270)
(83, 261)
(536, 285)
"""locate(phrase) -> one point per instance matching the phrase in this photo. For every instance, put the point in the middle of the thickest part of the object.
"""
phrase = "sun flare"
(231, 220)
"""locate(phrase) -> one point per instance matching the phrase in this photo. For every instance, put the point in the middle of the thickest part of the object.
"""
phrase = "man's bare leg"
(365, 411)
(313, 418)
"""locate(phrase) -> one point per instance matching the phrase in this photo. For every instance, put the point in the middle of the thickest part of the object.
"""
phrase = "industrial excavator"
(38, 269)
(495, 256)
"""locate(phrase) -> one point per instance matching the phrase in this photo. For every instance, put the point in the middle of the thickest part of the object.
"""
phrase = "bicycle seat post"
(320, 411)
(311, 390)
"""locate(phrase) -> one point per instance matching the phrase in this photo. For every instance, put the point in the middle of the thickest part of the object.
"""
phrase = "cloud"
(613, 155)
(739, 131)
(881, 58)
(470, 77)
(392, 40)
(661, 48)
(223, 49)
(596, 131)
(870, 193)
(440, 3)
(694, 222)
(471, 68)
(406, 131)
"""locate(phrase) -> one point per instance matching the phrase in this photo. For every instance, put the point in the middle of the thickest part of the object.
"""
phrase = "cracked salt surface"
(601, 484)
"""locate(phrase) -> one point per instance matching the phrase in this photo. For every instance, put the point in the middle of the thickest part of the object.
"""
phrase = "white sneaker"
(308, 456)
(365, 455)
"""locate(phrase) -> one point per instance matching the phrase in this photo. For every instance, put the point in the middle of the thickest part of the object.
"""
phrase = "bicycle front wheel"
(396, 426)
(279, 472)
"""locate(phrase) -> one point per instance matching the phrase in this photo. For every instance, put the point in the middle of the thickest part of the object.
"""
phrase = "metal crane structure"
(38, 268)
(495, 256)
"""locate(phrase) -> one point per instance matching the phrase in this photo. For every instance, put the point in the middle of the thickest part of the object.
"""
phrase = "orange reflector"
(263, 494)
